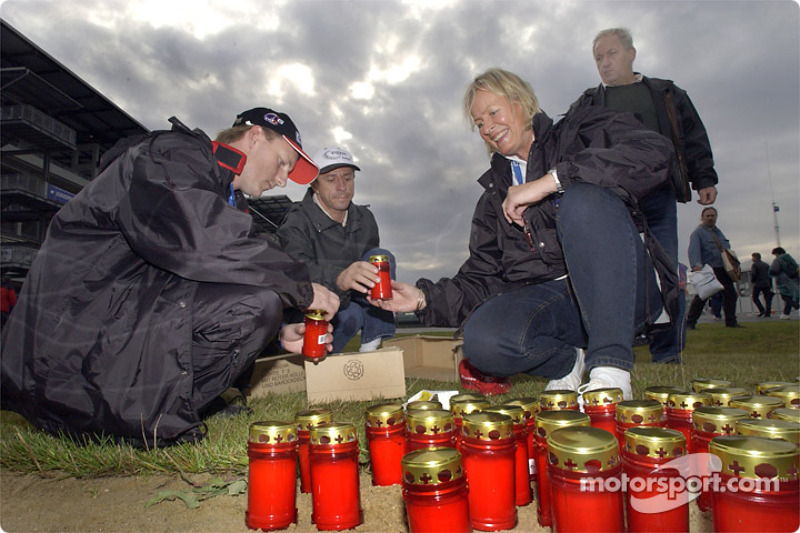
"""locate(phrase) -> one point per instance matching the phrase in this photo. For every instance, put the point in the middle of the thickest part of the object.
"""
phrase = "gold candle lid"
(424, 405)
(315, 314)
(758, 406)
(554, 400)
(790, 394)
(272, 432)
(601, 397)
(549, 421)
(464, 407)
(660, 392)
(379, 259)
(429, 422)
(770, 429)
(582, 449)
(784, 413)
(656, 443)
(310, 418)
(385, 415)
(702, 384)
(717, 419)
(487, 426)
(465, 396)
(529, 404)
(722, 397)
(756, 457)
(333, 433)
(688, 401)
(516, 412)
(762, 387)
(432, 466)
(644, 412)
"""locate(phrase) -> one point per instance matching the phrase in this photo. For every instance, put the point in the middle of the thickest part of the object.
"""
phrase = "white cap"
(333, 157)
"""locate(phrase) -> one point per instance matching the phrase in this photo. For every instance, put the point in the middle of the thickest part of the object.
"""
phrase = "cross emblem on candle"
(727, 428)
(570, 465)
(736, 469)
(278, 438)
(435, 429)
(425, 478)
(755, 414)
(613, 461)
(661, 452)
(478, 433)
(378, 423)
(684, 405)
(339, 438)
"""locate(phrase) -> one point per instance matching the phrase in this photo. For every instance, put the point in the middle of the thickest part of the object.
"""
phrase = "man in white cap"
(335, 238)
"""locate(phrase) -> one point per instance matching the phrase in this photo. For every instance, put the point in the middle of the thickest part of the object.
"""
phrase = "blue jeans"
(660, 210)
(359, 315)
(611, 291)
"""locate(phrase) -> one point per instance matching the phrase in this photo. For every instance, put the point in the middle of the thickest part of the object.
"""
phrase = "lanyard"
(232, 197)
(519, 179)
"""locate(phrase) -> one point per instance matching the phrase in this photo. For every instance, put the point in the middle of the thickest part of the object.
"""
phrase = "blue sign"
(58, 195)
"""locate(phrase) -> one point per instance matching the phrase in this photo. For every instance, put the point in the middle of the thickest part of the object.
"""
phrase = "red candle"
(649, 505)
(680, 407)
(435, 491)
(531, 407)
(335, 493)
(634, 413)
(660, 393)
(705, 385)
(722, 397)
(383, 289)
(315, 336)
(764, 386)
(770, 429)
(464, 404)
(601, 406)
(306, 420)
(547, 422)
(769, 469)
(271, 476)
(788, 394)
(522, 478)
(576, 455)
(487, 446)
(758, 406)
(785, 413)
(429, 428)
(386, 434)
(558, 400)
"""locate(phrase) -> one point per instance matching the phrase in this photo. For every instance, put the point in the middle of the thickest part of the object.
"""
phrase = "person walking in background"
(785, 271)
(761, 283)
(335, 238)
(665, 108)
(8, 298)
(705, 248)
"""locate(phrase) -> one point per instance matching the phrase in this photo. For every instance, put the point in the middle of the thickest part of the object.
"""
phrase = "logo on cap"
(273, 119)
(336, 154)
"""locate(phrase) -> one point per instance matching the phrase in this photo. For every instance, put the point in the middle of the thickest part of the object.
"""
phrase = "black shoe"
(689, 325)
(735, 325)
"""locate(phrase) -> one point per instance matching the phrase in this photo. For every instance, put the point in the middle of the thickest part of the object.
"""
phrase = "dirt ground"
(31, 503)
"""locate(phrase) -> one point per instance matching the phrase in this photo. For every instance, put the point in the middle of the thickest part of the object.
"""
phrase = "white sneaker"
(572, 380)
(784, 317)
(370, 346)
(606, 377)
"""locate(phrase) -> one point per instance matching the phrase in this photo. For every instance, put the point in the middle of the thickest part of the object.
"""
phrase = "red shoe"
(475, 380)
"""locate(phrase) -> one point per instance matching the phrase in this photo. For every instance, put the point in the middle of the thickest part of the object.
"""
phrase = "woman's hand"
(519, 197)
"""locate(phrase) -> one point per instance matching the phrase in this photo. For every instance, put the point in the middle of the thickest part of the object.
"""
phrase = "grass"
(761, 351)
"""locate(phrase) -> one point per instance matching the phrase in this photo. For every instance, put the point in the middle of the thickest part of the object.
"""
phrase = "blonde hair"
(505, 84)
(233, 134)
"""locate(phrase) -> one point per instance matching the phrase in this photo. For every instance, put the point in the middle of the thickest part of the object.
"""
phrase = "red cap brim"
(305, 170)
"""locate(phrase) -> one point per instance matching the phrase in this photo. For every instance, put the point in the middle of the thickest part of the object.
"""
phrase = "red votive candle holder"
(650, 506)
(705, 384)
(383, 289)
(757, 406)
(429, 429)
(271, 476)
(785, 413)
(522, 478)
(789, 394)
(464, 404)
(764, 472)
(770, 429)
(530, 406)
(305, 421)
(386, 434)
(435, 491)
(579, 457)
(424, 405)
(315, 336)
(660, 393)
(722, 397)
(559, 400)
(335, 492)
(487, 447)
(634, 413)
(680, 407)
(707, 423)
(601, 406)
(546, 423)
(762, 388)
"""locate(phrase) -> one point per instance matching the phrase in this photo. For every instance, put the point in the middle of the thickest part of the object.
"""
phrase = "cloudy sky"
(385, 80)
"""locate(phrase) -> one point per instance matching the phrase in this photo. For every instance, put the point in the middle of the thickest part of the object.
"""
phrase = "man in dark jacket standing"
(149, 296)
(336, 238)
(665, 108)
(762, 284)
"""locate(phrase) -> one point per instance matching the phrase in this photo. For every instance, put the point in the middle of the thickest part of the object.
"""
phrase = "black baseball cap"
(305, 171)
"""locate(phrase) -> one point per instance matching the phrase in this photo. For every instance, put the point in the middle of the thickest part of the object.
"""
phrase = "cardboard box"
(357, 376)
(278, 374)
(429, 356)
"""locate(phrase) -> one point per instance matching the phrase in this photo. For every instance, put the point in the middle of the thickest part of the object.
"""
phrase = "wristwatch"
(554, 173)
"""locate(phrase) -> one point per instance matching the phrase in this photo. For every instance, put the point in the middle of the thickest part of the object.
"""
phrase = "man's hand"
(707, 196)
(291, 337)
(360, 276)
(324, 300)
(405, 298)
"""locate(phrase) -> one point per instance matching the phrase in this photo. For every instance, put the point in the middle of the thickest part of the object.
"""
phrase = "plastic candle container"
(576, 456)
(784, 413)
(383, 289)
(463, 405)
(680, 407)
(487, 446)
(546, 423)
(306, 420)
(315, 335)
(789, 394)
(704, 385)
(386, 434)
(660, 393)
(633, 413)
(522, 478)
(271, 476)
(429, 428)
(335, 492)
(558, 400)
(423, 405)
(764, 386)
(722, 397)
(768, 468)
(770, 429)
(601, 406)
(758, 406)
(435, 491)
(531, 407)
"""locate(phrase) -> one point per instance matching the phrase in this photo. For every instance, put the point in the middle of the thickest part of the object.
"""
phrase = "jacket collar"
(321, 220)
